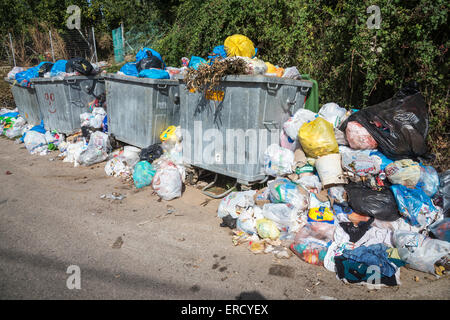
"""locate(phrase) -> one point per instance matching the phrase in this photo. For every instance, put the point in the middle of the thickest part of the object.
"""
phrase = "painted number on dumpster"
(50, 98)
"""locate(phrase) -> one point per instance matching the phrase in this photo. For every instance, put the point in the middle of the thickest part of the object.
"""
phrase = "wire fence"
(43, 44)
(128, 41)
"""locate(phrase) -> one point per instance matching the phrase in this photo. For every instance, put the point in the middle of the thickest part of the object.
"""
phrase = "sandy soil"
(52, 216)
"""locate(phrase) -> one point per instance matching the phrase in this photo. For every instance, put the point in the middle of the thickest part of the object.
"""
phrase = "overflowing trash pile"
(149, 64)
(350, 193)
(237, 56)
(349, 190)
(59, 70)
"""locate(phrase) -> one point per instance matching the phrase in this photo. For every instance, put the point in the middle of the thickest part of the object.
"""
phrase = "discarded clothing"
(356, 232)
(374, 255)
(356, 272)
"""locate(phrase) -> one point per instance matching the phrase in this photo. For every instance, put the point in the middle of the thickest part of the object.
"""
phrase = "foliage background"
(355, 66)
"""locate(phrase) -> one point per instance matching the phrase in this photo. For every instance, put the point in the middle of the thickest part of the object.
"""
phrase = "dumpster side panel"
(246, 122)
(139, 111)
(53, 106)
(62, 101)
(27, 103)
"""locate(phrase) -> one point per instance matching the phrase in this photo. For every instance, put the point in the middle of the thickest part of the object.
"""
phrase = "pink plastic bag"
(358, 137)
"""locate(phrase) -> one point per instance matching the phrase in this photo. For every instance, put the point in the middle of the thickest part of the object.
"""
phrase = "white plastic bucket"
(329, 169)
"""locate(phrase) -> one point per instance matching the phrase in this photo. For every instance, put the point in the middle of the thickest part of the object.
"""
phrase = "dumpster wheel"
(217, 196)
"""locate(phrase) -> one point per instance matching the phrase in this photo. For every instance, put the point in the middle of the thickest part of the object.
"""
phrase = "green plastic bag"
(143, 174)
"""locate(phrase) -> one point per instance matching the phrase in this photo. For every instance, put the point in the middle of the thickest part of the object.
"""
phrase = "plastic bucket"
(329, 169)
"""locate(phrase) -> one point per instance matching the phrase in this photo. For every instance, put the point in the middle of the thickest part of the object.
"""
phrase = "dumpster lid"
(71, 78)
(266, 79)
(113, 76)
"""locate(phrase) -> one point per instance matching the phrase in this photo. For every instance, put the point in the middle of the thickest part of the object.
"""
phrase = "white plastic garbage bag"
(361, 163)
(333, 113)
(420, 252)
(285, 191)
(283, 214)
(310, 183)
(291, 73)
(246, 221)
(115, 167)
(167, 181)
(233, 203)
(288, 143)
(278, 161)
(16, 129)
(294, 123)
(14, 71)
(35, 142)
(97, 150)
(73, 152)
(98, 114)
(254, 66)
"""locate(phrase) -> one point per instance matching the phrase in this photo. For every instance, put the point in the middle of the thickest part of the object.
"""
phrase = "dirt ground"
(52, 216)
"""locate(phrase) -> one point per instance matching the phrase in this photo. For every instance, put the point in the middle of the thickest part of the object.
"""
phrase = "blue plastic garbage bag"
(154, 74)
(143, 54)
(10, 115)
(195, 62)
(414, 205)
(143, 174)
(39, 128)
(105, 124)
(24, 77)
(130, 69)
(441, 229)
(218, 52)
(58, 67)
(429, 180)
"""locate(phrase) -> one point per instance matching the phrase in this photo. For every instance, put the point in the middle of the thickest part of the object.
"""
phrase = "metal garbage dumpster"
(26, 102)
(140, 109)
(227, 130)
(61, 101)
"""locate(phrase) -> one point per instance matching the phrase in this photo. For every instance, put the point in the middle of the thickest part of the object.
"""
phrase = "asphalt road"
(52, 218)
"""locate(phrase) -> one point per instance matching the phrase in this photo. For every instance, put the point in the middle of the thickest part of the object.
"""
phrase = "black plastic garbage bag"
(228, 222)
(399, 124)
(442, 197)
(378, 204)
(45, 67)
(150, 62)
(80, 65)
(151, 153)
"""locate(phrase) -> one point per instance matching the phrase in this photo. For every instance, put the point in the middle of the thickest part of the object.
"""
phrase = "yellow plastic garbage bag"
(272, 69)
(168, 134)
(239, 45)
(267, 229)
(317, 138)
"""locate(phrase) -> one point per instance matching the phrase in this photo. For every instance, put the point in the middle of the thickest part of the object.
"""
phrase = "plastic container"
(251, 110)
(61, 101)
(26, 102)
(140, 109)
(330, 170)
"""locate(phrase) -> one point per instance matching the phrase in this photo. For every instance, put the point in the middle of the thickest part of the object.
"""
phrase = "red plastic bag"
(358, 137)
